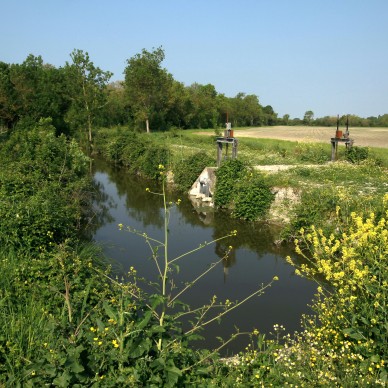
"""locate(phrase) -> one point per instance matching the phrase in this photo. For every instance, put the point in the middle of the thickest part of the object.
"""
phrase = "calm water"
(255, 260)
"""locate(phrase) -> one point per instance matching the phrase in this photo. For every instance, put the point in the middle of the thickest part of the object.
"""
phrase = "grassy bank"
(66, 322)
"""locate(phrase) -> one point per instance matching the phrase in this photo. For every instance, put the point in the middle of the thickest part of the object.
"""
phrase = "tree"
(308, 117)
(86, 86)
(115, 112)
(147, 85)
(286, 119)
(270, 116)
(32, 90)
(8, 106)
(203, 106)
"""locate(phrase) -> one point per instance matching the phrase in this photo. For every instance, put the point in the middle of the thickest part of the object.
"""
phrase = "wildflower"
(275, 278)
(93, 329)
(120, 226)
(147, 190)
(115, 344)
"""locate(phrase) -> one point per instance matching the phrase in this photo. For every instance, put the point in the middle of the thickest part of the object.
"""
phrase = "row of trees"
(331, 121)
(79, 95)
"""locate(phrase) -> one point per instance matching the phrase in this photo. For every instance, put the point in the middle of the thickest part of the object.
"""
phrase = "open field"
(364, 137)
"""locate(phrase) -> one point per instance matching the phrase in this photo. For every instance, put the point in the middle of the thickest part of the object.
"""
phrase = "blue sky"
(328, 56)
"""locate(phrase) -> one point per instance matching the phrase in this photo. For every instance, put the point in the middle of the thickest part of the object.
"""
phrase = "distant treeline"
(80, 96)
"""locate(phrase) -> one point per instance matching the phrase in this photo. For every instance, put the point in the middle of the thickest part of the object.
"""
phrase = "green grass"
(257, 151)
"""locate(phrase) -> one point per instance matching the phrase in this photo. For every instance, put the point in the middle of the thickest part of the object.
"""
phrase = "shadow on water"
(254, 260)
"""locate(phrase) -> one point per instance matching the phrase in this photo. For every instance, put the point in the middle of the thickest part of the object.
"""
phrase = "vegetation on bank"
(66, 322)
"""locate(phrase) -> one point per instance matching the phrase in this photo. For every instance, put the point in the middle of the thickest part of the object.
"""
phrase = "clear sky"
(328, 56)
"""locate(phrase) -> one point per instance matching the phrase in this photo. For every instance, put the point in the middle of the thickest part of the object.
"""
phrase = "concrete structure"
(203, 187)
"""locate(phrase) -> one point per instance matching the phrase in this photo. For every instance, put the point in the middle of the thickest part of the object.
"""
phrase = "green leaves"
(243, 190)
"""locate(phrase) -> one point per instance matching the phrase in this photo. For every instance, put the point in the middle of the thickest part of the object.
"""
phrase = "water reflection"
(255, 259)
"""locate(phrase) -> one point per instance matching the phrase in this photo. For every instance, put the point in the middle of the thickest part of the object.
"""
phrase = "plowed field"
(363, 137)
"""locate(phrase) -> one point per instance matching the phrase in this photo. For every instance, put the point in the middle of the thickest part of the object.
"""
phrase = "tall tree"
(147, 85)
(270, 116)
(203, 106)
(86, 85)
(308, 117)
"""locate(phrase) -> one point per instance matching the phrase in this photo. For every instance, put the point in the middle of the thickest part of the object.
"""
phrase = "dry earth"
(364, 137)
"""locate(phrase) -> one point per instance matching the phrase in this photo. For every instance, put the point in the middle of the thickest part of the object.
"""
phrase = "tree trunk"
(148, 125)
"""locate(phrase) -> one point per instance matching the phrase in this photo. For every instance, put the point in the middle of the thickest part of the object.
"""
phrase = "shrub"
(154, 156)
(316, 207)
(253, 197)
(349, 338)
(186, 172)
(227, 176)
(42, 189)
(243, 190)
(357, 154)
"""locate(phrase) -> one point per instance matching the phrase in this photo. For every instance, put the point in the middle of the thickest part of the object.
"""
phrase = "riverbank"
(67, 321)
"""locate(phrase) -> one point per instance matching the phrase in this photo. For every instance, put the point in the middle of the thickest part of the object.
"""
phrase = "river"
(254, 259)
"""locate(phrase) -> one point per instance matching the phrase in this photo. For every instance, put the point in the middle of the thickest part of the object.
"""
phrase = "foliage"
(86, 84)
(188, 170)
(67, 322)
(317, 205)
(138, 152)
(242, 189)
(230, 172)
(312, 153)
(356, 154)
(147, 85)
(253, 197)
(350, 340)
(40, 173)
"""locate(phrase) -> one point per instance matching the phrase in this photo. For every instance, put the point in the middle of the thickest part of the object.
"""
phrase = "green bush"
(316, 207)
(37, 180)
(243, 190)
(253, 197)
(356, 154)
(312, 153)
(138, 152)
(228, 174)
(188, 170)
(154, 156)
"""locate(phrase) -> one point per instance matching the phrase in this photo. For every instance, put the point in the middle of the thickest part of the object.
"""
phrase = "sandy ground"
(363, 137)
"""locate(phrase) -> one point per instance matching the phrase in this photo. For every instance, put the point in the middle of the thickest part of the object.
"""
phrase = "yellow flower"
(275, 278)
